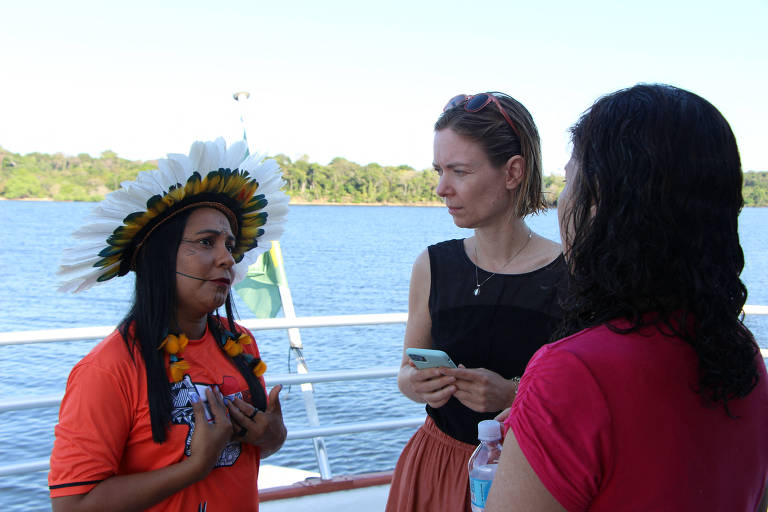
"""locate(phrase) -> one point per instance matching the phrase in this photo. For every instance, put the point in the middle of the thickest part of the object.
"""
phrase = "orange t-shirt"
(104, 427)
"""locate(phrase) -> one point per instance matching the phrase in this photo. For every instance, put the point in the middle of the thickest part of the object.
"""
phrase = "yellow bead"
(260, 369)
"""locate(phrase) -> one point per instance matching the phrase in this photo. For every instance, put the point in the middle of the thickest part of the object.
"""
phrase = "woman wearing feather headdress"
(170, 411)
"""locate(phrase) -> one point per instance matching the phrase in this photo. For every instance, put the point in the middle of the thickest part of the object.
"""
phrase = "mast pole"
(294, 336)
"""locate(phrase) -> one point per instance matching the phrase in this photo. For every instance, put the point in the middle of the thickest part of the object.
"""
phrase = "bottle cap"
(489, 430)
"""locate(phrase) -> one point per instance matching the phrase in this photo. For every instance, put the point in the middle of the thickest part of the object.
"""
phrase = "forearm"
(135, 492)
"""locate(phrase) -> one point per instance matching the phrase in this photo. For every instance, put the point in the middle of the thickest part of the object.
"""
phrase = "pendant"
(477, 291)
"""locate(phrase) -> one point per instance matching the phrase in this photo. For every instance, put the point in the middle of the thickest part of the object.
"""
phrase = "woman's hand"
(140, 491)
(480, 389)
(503, 415)
(263, 429)
(429, 384)
(209, 439)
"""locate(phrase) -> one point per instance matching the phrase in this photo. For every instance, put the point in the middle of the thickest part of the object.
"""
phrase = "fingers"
(239, 402)
(440, 394)
(481, 401)
(469, 386)
(209, 437)
(198, 408)
(440, 397)
(216, 403)
(246, 416)
(470, 400)
(274, 400)
(503, 415)
(426, 374)
(433, 385)
(461, 372)
(431, 377)
(240, 411)
(236, 409)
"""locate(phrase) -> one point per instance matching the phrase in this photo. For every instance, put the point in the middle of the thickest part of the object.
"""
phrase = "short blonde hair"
(501, 142)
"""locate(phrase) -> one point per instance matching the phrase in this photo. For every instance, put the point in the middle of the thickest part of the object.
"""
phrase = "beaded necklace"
(231, 343)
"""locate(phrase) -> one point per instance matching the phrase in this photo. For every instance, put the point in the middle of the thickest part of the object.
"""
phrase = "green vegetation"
(64, 178)
(343, 181)
(84, 178)
(755, 188)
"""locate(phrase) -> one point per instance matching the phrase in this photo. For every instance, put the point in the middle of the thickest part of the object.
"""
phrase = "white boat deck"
(373, 498)
(279, 476)
(370, 499)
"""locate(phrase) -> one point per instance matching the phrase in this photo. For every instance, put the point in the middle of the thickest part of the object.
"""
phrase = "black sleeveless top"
(500, 329)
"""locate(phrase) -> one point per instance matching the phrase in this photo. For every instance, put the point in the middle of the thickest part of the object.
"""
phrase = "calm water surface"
(339, 260)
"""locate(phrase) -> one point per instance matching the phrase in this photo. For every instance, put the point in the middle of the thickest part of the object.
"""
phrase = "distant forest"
(84, 178)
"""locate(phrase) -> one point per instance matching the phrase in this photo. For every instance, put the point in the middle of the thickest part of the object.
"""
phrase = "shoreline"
(293, 201)
(299, 202)
(36, 199)
(302, 202)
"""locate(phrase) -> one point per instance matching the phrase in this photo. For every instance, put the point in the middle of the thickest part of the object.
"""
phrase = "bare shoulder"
(545, 251)
(420, 269)
(417, 329)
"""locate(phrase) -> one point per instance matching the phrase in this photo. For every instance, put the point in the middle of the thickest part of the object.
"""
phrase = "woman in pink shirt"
(658, 399)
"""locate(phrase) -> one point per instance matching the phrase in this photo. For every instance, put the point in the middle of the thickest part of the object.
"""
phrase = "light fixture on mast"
(241, 94)
(240, 98)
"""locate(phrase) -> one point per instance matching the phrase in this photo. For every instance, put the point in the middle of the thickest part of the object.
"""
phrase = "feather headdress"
(245, 188)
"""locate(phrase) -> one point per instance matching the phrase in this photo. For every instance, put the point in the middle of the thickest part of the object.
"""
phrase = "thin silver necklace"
(478, 284)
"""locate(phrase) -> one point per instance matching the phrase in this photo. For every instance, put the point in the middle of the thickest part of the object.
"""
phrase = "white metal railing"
(90, 333)
(271, 380)
(285, 379)
(87, 333)
(93, 333)
(305, 433)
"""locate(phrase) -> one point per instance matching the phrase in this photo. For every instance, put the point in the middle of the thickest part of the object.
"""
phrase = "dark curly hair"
(488, 128)
(652, 229)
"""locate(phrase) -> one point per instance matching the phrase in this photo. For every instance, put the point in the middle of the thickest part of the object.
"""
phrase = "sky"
(356, 79)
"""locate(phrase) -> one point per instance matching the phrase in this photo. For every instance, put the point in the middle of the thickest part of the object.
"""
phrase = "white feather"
(77, 262)
(75, 254)
(234, 155)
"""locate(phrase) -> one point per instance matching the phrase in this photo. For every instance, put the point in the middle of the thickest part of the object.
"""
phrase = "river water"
(339, 260)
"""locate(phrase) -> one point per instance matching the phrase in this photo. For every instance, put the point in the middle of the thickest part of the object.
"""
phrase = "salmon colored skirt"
(431, 474)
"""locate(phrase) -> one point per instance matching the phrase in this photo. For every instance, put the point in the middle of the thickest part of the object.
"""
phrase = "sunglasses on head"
(477, 102)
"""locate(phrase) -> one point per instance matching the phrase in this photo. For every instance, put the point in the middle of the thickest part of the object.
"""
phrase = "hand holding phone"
(429, 358)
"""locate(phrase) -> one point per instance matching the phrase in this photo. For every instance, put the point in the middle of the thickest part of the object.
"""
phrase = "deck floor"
(370, 499)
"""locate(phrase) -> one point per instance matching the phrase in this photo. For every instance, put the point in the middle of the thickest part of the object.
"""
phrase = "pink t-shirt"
(612, 422)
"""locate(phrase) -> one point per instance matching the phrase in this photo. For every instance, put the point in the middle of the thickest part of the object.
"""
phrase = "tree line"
(85, 178)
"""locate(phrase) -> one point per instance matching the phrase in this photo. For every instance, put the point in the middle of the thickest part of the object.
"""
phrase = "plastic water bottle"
(483, 463)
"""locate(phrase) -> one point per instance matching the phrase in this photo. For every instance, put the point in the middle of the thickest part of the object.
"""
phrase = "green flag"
(259, 290)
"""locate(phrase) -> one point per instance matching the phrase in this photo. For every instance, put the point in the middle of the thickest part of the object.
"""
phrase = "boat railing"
(89, 333)
(285, 379)
(312, 432)
(254, 324)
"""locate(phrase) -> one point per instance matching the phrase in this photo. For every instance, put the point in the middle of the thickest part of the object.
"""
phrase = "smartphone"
(200, 388)
(428, 358)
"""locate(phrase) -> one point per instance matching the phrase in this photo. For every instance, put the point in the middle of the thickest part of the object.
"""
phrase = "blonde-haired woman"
(488, 301)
